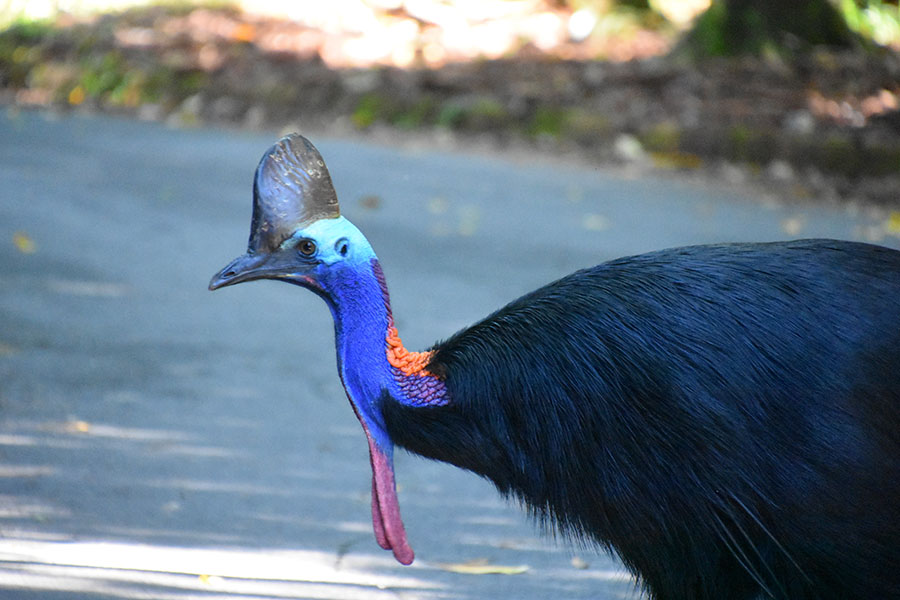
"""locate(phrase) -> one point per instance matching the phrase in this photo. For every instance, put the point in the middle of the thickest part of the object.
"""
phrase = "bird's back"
(726, 418)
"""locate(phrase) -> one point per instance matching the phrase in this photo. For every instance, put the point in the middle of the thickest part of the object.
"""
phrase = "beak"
(275, 265)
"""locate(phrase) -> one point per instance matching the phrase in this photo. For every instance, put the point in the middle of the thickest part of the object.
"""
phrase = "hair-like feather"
(725, 417)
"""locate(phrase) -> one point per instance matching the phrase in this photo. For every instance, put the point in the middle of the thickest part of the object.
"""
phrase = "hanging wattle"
(374, 365)
(386, 520)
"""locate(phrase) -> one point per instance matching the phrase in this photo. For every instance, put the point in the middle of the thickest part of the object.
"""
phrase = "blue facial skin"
(343, 276)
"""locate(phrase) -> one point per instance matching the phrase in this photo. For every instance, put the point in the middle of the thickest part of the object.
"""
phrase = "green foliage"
(368, 110)
(635, 4)
(587, 126)
(767, 27)
(748, 145)
(708, 36)
(28, 31)
(156, 82)
(840, 155)
(16, 59)
(416, 115)
(450, 115)
(547, 121)
(188, 83)
(486, 113)
(482, 113)
(875, 19)
(14, 13)
(883, 160)
(101, 75)
(662, 137)
(466, 114)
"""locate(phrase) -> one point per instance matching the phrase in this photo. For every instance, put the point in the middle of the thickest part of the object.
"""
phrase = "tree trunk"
(735, 27)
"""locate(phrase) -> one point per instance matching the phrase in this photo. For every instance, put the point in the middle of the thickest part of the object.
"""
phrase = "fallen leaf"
(244, 32)
(370, 201)
(579, 563)
(676, 160)
(78, 426)
(483, 567)
(76, 96)
(24, 243)
(892, 225)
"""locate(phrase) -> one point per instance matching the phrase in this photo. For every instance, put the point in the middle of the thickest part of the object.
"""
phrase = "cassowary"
(725, 418)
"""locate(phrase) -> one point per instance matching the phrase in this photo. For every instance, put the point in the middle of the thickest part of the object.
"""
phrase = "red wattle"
(377, 523)
(386, 521)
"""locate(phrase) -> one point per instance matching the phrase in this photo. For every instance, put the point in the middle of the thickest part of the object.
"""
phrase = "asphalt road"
(158, 441)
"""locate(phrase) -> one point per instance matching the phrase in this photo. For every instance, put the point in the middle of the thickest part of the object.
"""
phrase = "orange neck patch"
(409, 363)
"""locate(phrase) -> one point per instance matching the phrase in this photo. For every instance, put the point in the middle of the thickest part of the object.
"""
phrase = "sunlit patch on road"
(129, 570)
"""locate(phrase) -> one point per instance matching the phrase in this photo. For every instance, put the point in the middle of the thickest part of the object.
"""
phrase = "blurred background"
(800, 97)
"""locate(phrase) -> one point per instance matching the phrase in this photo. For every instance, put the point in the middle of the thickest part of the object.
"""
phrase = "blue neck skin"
(346, 279)
(360, 328)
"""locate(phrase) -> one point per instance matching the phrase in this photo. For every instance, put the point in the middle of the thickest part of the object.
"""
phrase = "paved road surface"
(158, 441)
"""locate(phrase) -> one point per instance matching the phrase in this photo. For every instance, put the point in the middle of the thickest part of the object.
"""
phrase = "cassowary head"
(298, 235)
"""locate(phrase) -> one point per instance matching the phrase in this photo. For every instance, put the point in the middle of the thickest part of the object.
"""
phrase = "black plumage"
(725, 418)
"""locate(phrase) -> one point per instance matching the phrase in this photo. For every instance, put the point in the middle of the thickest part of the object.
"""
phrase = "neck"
(371, 358)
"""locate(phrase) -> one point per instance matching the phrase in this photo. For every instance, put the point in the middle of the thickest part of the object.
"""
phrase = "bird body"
(725, 418)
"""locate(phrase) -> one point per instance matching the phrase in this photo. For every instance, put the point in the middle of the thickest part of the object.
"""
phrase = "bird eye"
(307, 247)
